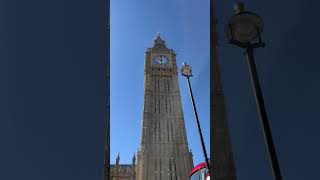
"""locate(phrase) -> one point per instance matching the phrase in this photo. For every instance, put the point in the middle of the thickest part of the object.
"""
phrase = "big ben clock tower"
(163, 153)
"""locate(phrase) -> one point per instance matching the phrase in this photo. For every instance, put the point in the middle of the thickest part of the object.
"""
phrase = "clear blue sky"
(184, 25)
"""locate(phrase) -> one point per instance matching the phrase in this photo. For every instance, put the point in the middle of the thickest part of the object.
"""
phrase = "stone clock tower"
(163, 153)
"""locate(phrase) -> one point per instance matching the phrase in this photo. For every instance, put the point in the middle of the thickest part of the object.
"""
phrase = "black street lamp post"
(244, 30)
(187, 72)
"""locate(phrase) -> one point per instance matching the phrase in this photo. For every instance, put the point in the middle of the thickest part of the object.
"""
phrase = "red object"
(197, 168)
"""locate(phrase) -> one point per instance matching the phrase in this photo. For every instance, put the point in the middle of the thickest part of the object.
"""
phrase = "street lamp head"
(186, 70)
(244, 27)
(238, 7)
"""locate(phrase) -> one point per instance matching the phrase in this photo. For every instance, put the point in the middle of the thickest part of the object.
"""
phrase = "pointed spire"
(134, 159)
(158, 42)
(158, 38)
(118, 159)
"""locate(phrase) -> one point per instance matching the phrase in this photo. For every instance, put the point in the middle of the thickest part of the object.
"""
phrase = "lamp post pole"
(186, 71)
(263, 114)
(244, 30)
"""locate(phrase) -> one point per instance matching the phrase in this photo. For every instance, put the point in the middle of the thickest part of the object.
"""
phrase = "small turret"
(134, 159)
(118, 159)
(158, 42)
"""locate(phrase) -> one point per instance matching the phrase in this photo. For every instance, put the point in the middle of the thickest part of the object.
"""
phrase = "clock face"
(161, 60)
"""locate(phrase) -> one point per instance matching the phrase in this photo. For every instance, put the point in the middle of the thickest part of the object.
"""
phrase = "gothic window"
(168, 130)
(154, 130)
(155, 104)
(175, 167)
(170, 169)
(162, 86)
(159, 105)
(166, 105)
(172, 133)
(155, 84)
(166, 84)
(155, 167)
(160, 167)
(159, 134)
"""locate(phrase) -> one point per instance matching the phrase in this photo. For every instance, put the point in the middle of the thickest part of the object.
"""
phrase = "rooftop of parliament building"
(123, 171)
